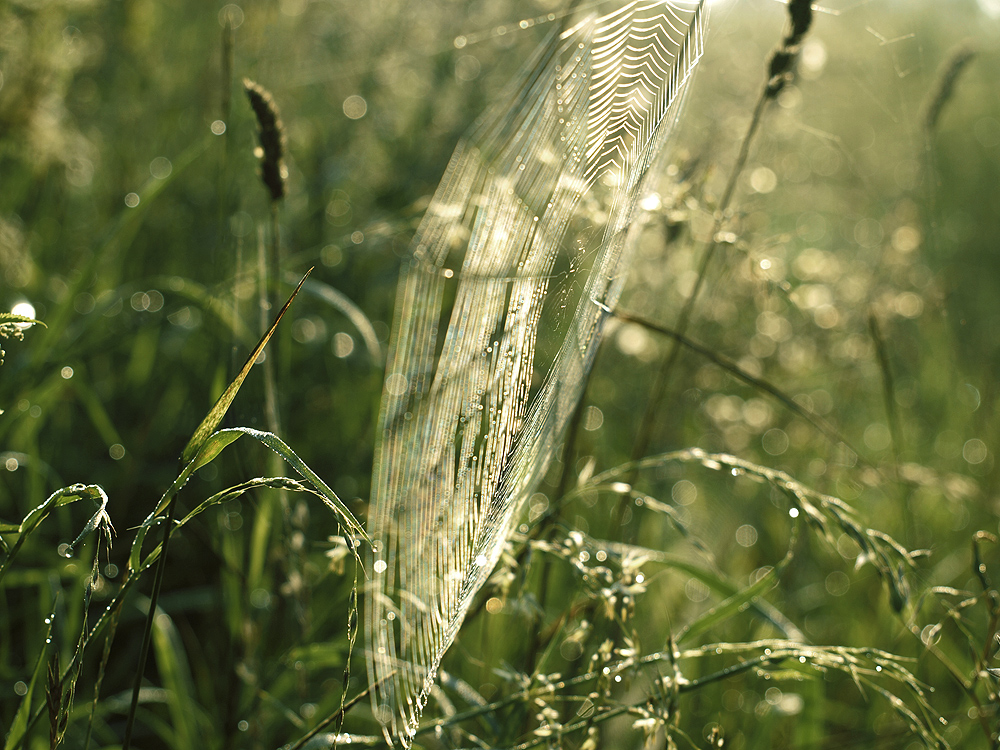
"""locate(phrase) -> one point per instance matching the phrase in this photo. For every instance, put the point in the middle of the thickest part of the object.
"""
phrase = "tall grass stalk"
(780, 68)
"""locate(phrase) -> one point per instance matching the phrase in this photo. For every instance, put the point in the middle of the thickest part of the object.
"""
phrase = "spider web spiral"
(475, 400)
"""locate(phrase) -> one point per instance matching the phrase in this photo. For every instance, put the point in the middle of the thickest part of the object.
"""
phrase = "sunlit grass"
(853, 275)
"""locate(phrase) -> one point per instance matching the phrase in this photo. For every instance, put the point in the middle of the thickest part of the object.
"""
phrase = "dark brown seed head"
(800, 14)
(272, 138)
(782, 63)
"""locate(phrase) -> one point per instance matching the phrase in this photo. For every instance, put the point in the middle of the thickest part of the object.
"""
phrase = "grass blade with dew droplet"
(57, 499)
(19, 726)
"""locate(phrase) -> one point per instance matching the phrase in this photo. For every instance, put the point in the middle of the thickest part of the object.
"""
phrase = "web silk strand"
(523, 249)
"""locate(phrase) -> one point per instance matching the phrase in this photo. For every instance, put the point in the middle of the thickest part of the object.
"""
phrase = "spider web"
(472, 418)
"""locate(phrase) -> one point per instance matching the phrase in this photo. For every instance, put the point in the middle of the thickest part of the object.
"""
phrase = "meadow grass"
(799, 548)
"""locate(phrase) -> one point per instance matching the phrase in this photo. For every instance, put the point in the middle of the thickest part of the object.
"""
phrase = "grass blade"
(279, 446)
(19, 726)
(342, 303)
(176, 675)
(740, 374)
(737, 602)
(217, 412)
(57, 499)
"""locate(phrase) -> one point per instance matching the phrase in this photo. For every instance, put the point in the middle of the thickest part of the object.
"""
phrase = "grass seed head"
(782, 61)
(271, 132)
(944, 87)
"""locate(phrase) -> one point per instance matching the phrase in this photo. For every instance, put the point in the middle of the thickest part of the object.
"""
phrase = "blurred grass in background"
(858, 276)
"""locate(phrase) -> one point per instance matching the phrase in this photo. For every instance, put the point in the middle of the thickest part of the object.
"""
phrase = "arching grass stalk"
(780, 68)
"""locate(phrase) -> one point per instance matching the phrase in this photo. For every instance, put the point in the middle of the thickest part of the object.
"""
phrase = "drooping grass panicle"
(825, 513)
(13, 326)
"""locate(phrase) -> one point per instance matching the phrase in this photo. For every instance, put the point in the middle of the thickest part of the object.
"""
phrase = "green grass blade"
(57, 499)
(740, 373)
(98, 520)
(97, 412)
(176, 676)
(210, 303)
(217, 412)
(735, 603)
(328, 496)
(117, 238)
(341, 302)
(140, 534)
(19, 726)
(232, 493)
(212, 447)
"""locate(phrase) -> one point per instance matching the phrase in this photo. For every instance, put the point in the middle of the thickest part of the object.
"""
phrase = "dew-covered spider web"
(500, 310)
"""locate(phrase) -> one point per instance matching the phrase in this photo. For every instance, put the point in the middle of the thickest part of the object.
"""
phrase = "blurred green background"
(860, 278)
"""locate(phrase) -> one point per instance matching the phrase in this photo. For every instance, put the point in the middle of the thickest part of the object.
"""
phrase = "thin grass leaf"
(234, 492)
(319, 487)
(216, 306)
(187, 716)
(740, 374)
(19, 726)
(210, 450)
(116, 238)
(99, 521)
(57, 499)
(101, 671)
(342, 303)
(735, 603)
(218, 411)
(154, 516)
(97, 412)
(54, 702)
